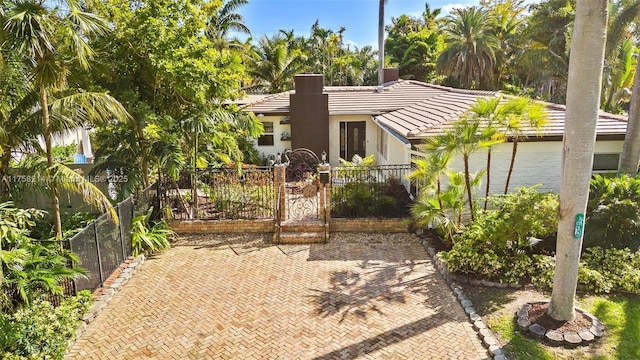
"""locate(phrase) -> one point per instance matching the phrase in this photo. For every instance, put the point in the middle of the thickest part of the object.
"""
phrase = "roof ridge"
(563, 107)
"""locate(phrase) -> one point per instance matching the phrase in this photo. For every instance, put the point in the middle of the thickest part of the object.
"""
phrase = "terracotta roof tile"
(416, 110)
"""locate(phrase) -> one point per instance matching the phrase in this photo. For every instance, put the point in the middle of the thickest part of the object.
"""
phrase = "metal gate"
(301, 188)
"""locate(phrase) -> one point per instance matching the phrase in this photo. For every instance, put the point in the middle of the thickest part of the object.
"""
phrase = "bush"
(498, 245)
(42, 331)
(149, 237)
(366, 198)
(613, 213)
(605, 270)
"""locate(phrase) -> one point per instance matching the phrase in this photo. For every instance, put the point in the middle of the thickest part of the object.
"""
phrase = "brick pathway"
(255, 301)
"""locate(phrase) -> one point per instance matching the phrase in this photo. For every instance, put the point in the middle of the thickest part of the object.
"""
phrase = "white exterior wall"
(279, 146)
(537, 162)
(72, 137)
(397, 151)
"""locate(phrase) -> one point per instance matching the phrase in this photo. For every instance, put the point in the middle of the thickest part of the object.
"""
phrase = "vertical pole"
(279, 182)
(95, 235)
(124, 252)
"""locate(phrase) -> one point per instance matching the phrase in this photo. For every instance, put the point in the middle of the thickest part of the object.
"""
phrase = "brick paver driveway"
(251, 300)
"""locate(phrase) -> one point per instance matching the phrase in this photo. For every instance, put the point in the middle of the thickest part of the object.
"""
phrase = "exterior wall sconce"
(323, 157)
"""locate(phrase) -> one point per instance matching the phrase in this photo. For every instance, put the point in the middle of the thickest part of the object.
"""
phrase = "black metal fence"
(371, 191)
(225, 194)
(103, 245)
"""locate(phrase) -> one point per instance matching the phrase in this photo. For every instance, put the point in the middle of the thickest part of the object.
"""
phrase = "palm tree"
(276, 65)
(583, 100)
(516, 114)
(470, 56)
(35, 32)
(618, 32)
(227, 19)
(489, 112)
(466, 137)
(381, 41)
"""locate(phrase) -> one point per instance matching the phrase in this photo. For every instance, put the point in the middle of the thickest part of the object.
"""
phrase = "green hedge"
(42, 331)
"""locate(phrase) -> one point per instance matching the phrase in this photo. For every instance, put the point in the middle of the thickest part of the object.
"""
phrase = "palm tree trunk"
(467, 182)
(630, 158)
(381, 42)
(513, 161)
(55, 201)
(486, 192)
(581, 117)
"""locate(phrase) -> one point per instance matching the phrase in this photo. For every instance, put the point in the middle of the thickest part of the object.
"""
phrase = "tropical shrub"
(29, 270)
(498, 245)
(613, 213)
(42, 331)
(147, 236)
(605, 270)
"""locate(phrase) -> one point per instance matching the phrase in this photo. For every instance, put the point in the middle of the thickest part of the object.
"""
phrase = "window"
(603, 163)
(382, 142)
(267, 138)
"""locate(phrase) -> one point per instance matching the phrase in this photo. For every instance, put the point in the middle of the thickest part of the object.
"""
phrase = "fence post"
(73, 280)
(279, 181)
(325, 188)
(124, 253)
(95, 236)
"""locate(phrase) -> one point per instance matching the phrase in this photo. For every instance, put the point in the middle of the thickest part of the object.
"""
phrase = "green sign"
(579, 229)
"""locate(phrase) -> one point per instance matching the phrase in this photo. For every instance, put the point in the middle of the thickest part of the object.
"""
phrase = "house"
(392, 120)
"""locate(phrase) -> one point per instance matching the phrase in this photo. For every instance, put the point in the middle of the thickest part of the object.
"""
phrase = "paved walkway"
(251, 300)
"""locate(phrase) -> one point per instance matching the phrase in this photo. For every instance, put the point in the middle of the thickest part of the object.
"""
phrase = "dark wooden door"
(352, 139)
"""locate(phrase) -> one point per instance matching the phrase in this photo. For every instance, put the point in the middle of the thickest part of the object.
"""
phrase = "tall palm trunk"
(630, 158)
(513, 161)
(51, 181)
(486, 192)
(381, 43)
(583, 100)
(467, 182)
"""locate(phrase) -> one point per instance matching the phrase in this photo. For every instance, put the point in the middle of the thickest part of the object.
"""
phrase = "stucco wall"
(278, 145)
(537, 162)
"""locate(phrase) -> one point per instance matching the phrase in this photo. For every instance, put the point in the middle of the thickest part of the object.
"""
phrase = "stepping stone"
(572, 339)
(523, 324)
(553, 338)
(523, 313)
(495, 350)
(586, 336)
(479, 325)
(596, 332)
(537, 331)
(466, 303)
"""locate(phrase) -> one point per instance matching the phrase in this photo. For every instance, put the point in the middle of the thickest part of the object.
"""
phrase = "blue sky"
(360, 17)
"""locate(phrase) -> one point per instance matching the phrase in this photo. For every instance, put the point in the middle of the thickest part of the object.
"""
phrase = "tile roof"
(416, 110)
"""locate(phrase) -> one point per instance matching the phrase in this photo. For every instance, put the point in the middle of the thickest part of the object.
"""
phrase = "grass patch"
(621, 316)
(520, 346)
(619, 313)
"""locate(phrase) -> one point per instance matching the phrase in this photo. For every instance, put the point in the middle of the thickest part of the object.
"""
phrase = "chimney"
(391, 74)
(309, 114)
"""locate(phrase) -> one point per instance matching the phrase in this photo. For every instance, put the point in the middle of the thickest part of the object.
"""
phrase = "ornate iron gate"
(301, 188)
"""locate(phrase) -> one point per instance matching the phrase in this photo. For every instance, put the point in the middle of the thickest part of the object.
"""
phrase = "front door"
(352, 139)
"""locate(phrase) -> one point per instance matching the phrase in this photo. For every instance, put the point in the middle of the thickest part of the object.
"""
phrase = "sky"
(360, 17)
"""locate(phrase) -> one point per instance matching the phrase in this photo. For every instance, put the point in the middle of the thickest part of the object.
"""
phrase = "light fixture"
(261, 115)
(323, 156)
